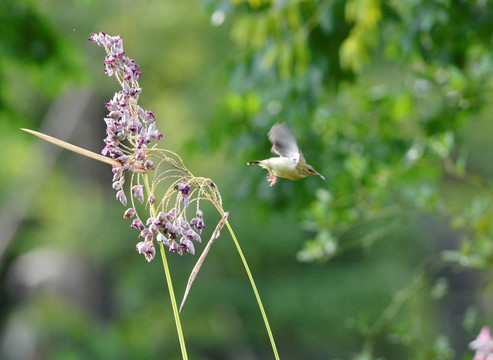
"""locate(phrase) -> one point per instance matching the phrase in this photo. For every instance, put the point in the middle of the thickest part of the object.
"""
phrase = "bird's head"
(307, 170)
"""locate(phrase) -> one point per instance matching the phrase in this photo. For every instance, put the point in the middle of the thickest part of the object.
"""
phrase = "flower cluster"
(126, 120)
(169, 228)
(483, 345)
(129, 132)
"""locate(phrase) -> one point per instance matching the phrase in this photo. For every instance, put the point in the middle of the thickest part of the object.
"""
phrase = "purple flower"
(187, 245)
(198, 222)
(117, 185)
(175, 248)
(184, 224)
(149, 117)
(192, 235)
(149, 165)
(144, 233)
(134, 92)
(160, 238)
(171, 229)
(161, 217)
(128, 166)
(170, 216)
(110, 65)
(153, 228)
(127, 121)
(137, 224)
(120, 195)
(138, 192)
(153, 132)
(142, 247)
(185, 191)
(185, 200)
(147, 248)
(130, 212)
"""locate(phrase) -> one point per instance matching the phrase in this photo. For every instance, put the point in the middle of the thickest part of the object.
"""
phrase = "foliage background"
(390, 258)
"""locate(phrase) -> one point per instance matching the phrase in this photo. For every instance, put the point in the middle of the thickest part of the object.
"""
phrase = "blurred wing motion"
(284, 143)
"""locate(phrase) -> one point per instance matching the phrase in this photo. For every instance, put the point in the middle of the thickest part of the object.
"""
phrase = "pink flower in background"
(483, 345)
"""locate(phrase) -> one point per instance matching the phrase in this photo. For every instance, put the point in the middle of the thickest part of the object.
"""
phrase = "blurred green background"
(390, 258)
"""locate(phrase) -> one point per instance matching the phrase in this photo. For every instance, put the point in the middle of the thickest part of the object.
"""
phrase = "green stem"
(252, 282)
(176, 313)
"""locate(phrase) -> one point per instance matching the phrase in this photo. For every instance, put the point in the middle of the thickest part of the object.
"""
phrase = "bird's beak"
(318, 174)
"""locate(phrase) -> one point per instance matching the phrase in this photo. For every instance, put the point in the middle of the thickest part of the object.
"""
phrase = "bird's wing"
(284, 143)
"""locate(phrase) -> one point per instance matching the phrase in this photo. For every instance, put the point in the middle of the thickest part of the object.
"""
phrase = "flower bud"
(150, 253)
(183, 188)
(140, 111)
(130, 212)
(140, 155)
(149, 165)
(123, 158)
(160, 238)
(174, 247)
(137, 224)
(147, 248)
(200, 225)
(187, 245)
(171, 229)
(153, 228)
(144, 233)
(138, 192)
(149, 117)
(184, 224)
(161, 217)
(120, 195)
(192, 235)
(185, 200)
(142, 247)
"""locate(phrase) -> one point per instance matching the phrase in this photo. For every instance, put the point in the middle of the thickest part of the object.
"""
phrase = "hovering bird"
(291, 163)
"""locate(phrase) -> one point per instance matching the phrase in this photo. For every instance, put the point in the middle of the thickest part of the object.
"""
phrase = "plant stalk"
(172, 296)
(254, 287)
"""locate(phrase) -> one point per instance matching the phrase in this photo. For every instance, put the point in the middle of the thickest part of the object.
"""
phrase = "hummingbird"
(291, 163)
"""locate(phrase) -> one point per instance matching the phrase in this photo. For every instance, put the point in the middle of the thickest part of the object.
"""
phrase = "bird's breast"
(282, 167)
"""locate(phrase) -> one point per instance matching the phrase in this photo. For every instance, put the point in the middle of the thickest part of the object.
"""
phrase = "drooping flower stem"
(254, 287)
(250, 277)
(172, 296)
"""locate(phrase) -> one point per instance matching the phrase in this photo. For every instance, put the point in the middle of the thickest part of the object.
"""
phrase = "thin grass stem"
(176, 313)
(254, 287)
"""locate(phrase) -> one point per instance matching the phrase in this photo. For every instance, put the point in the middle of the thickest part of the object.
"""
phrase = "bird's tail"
(253, 162)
